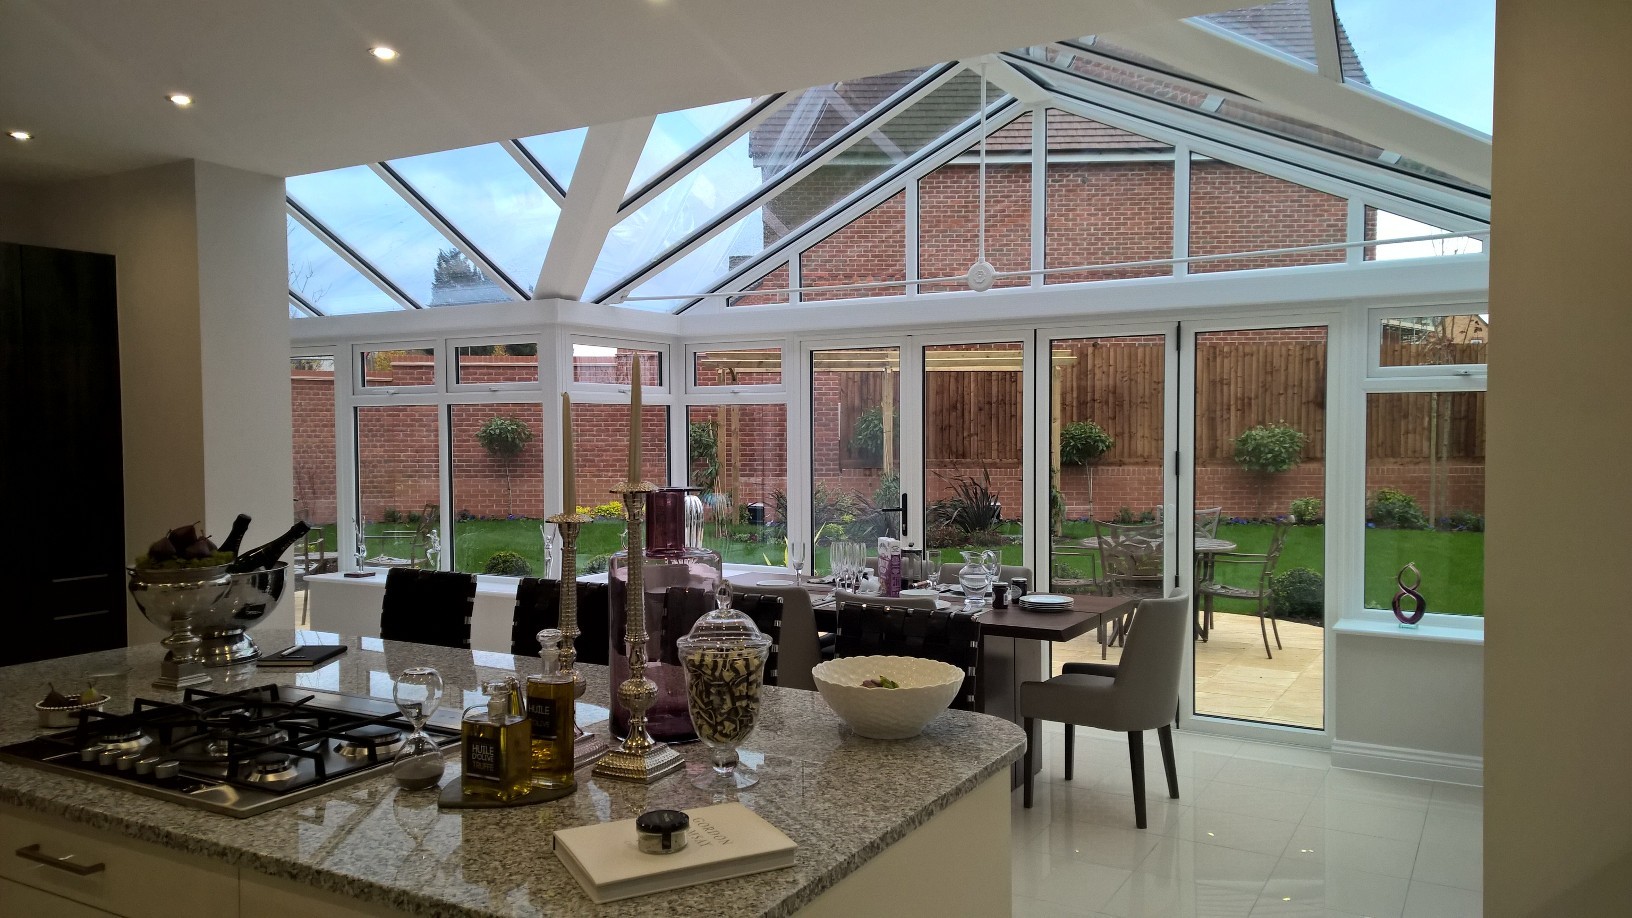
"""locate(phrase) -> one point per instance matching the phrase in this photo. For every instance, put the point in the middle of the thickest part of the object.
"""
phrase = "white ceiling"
(287, 87)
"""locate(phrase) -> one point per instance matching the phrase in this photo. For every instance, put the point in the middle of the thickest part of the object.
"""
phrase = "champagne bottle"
(263, 556)
(235, 538)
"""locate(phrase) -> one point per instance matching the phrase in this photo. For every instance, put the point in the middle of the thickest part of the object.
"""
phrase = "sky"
(1435, 54)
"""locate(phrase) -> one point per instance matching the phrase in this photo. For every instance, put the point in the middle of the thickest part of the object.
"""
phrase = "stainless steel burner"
(273, 768)
(385, 741)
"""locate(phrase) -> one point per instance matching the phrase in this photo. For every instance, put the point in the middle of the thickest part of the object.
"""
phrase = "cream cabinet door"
(108, 872)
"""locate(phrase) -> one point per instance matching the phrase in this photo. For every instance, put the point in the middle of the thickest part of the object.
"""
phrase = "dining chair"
(1005, 572)
(1251, 575)
(949, 635)
(797, 644)
(538, 606)
(1140, 693)
(427, 607)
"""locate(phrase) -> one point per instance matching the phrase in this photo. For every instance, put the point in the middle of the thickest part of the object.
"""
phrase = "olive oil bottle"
(550, 708)
(496, 746)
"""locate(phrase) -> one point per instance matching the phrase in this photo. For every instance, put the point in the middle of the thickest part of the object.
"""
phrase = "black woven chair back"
(766, 611)
(427, 607)
(538, 606)
(949, 635)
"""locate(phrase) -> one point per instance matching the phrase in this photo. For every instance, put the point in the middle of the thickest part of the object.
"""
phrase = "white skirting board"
(1409, 763)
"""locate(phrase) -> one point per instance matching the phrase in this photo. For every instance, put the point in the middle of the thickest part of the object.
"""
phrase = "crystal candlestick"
(638, 757)
(587, 747)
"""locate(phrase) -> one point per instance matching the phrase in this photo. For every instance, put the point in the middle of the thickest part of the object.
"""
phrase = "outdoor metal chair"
(1250, 575)
(1131, 554)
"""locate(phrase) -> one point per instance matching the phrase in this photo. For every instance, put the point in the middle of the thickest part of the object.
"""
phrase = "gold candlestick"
(587, 747)
(639, 757)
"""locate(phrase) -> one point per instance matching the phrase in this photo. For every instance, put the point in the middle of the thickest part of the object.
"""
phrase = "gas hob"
(239, 753)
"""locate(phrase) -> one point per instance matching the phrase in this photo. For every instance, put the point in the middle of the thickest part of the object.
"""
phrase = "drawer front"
(17, 899)
(108, 872)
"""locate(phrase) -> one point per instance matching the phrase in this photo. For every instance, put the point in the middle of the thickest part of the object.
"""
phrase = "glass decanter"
(418, 764)
(975, 578)
(724, 658)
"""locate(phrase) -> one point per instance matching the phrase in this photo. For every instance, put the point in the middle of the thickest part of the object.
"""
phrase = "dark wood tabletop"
(1086, 612)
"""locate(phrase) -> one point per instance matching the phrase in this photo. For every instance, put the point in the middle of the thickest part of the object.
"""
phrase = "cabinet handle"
(33, 853)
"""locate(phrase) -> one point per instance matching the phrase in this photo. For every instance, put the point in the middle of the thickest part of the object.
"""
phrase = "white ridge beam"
(605, 166)
(1323, 19)
(1312, 97)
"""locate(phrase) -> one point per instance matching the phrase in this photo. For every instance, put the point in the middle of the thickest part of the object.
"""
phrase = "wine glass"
(932, 564)
(796, 559)
(418, 694)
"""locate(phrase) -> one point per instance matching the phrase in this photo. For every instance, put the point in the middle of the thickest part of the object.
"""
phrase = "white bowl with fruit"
(59, 710)
(887, 697)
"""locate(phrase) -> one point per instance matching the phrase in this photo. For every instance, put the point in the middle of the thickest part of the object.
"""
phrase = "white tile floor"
(1259, 830)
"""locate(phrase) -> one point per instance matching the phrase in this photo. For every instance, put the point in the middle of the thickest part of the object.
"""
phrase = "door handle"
(33, 853)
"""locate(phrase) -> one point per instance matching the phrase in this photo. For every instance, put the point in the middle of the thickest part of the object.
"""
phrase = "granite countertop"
(841, 797)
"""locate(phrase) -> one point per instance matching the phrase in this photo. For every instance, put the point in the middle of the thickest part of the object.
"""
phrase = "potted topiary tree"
(505, 438)
(1268, 450)
(1084, 443)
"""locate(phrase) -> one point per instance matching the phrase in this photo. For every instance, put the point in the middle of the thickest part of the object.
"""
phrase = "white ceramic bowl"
(927, 687)
(58, 717)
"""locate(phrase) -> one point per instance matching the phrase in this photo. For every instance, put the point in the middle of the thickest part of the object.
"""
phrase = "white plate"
(1045, 602)
(774, 583)
(919, 593)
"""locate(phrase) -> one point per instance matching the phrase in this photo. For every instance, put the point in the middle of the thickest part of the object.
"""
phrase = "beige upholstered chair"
(797, 647)
(1140, 693)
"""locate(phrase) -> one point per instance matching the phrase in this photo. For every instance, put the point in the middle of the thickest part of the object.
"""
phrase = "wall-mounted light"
(19, 135)
(384, 52)
(180, 99)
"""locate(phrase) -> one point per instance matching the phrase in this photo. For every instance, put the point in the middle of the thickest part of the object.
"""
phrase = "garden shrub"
(1299, 595)
(1083, 442)
(1465, 521)
(867, 436)
(595, 565)
(506, 563)
(972, 507)
(504, 437)
(1306, 511)
(1392, 508)
(1269, 447)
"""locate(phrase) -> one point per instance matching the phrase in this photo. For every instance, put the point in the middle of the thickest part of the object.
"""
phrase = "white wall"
(1558, 732)
(190, 314)
(1408, 706)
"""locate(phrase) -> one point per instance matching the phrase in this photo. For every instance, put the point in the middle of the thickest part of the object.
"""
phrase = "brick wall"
(312, 394)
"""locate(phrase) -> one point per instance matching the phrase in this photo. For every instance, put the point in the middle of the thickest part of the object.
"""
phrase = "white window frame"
(734, 393)
(452, 365)
(599, 391)
(438, 359)
(1471, 375)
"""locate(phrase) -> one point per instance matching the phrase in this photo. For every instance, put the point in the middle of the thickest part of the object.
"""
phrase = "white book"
(724, 841)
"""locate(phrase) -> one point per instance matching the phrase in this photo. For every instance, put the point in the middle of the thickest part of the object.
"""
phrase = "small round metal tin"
(662, 831)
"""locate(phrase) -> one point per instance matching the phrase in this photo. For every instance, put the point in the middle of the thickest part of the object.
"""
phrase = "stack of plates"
(1045, 602)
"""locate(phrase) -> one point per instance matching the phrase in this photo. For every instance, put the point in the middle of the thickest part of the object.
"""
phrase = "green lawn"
(1452, 563)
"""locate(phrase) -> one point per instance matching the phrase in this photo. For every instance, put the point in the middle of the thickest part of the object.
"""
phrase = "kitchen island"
(877, 823)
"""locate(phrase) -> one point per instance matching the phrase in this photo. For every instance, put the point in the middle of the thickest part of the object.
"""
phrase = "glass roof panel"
(557, 153)
(765, 152)
(674, 134)
(1383, 225)
(484, 194)
(1439, 57)
(360, 209)
(325, 280)
(1282, 27)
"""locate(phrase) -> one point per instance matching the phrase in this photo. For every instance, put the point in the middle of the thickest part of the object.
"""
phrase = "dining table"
(1015, 645)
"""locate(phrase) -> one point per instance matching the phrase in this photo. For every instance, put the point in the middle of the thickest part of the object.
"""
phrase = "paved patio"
(1235, 679)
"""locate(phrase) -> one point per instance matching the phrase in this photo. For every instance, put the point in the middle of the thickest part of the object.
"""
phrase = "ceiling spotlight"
(180, 99)
(20, 135)
(384, 53)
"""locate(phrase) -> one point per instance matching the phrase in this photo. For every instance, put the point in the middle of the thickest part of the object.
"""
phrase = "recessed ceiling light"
(384, 53)
(20, 135)
(180, 99)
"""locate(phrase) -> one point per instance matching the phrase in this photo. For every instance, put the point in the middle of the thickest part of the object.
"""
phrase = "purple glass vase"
(680, 581)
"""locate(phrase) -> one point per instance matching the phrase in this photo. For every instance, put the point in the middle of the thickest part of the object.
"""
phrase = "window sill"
(1454, 632)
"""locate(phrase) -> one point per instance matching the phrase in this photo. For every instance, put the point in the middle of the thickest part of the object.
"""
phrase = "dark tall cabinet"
(62, 537)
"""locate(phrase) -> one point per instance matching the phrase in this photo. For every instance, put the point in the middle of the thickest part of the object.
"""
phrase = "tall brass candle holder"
(638, 757)
(586, 747)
